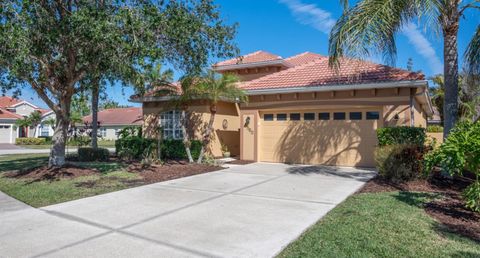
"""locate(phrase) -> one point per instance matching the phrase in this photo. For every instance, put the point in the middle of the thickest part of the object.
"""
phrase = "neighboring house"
(301, 111)
(114, 119)
(11, 110)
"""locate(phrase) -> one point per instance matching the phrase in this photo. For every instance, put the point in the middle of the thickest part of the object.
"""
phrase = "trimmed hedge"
(30, 141)
(435, 129)
(135, 148)
(92, 154)
(401, 135)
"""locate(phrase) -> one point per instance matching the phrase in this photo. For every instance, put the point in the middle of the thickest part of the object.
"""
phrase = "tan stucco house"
(301, 111)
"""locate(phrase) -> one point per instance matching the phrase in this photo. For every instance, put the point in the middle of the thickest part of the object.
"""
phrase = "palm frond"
(368, 28)
(472, 54)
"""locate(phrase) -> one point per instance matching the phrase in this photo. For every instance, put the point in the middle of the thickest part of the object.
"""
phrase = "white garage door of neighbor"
(5, 133)
(343, 137)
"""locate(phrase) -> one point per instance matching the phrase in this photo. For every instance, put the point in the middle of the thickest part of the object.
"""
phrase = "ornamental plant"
(460, 152)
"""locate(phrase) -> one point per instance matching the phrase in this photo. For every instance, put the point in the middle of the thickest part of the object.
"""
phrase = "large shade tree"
(369, 28)
(51, 46)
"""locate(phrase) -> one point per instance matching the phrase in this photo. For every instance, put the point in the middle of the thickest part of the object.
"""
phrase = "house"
(13, 109)
(301, 111)
(114, 119)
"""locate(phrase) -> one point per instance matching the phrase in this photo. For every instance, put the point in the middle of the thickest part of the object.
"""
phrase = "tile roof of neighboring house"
(118, 116)
(255, 57)
(303, 58)
(5, 114)
(318, 73)
(43, 111)
(6, 101)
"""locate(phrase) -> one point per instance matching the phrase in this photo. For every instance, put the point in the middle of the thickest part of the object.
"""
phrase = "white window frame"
(44, 130)
(170, 122)
(103, 132)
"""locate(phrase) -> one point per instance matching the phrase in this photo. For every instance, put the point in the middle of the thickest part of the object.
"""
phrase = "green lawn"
(381, 225)
(113, 177)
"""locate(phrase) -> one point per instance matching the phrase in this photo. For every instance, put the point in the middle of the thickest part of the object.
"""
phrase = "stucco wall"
(226, 124)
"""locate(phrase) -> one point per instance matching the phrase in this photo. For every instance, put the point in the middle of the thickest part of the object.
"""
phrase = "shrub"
(174, 149)
(135, 148)
(80, 141)
(30, 141)
(434, 129)
(460, 152)
(92, 154)
(399, 163)
(401, 135)
(472, 196)
(48, 139)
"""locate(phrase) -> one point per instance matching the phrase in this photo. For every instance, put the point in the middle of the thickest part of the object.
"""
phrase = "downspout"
(412, 113)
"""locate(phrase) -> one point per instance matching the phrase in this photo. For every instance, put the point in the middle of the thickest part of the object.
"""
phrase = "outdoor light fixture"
(247, 122)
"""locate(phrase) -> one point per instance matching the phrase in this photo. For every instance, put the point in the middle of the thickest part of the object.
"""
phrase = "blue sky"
(289, 27)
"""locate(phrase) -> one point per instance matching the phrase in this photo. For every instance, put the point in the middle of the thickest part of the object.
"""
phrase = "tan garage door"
(345, 137)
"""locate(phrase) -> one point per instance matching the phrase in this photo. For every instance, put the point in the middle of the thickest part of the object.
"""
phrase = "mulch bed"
(449, 211)
(50, 174)
(240, 162)
(170, 170)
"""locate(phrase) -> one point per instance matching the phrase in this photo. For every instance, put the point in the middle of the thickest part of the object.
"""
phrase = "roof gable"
(255, 57)
(5, 114)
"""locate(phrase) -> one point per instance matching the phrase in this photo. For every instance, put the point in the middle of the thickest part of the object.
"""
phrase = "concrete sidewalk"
(20, 150)
(244, 211)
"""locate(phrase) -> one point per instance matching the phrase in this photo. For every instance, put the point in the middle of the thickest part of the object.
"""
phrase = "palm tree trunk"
(207, 136)
(450, 54)
(95, 96)
(186, 140)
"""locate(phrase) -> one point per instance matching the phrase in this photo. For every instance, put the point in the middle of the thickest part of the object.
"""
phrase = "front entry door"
(248, 133)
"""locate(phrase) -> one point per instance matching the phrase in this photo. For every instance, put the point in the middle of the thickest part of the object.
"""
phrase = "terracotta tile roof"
(43, 111)
(6, 101)
(5, 114)
(118, 116)
(303, 58)
(318, 73)
(255, 57)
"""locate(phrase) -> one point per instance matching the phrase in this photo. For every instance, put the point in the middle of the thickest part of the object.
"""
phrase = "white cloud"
(310, 14)
(423, 47)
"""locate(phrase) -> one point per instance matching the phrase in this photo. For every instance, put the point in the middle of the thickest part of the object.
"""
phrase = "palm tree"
(35, 119)
(370, 26)
(182, 94)
(32, 121)
(215, 88)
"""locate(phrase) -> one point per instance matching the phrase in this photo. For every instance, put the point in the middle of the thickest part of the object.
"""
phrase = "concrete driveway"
(244, 211)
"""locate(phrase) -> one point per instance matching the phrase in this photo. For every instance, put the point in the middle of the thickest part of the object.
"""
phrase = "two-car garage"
(344, 137)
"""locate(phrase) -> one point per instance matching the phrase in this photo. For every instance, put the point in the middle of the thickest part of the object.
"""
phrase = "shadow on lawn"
(22, 163)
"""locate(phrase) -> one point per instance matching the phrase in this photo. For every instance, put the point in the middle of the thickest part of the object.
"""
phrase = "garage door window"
(309, 116)
(295, 116)
(373, 115)
(4, 126)
(355, 115)
(324, 116)
(268, 117)
(281, 117)
(339, 116)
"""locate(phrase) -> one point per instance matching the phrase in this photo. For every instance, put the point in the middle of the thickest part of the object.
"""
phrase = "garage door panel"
(345, 142)
(5, 132)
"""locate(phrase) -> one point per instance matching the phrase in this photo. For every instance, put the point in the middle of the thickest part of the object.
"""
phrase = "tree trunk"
(95, 96)
(450, 54)
(57, 153)
(208, 132)
(186, 140)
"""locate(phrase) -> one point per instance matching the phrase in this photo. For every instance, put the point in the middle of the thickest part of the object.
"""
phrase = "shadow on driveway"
(360, 174)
